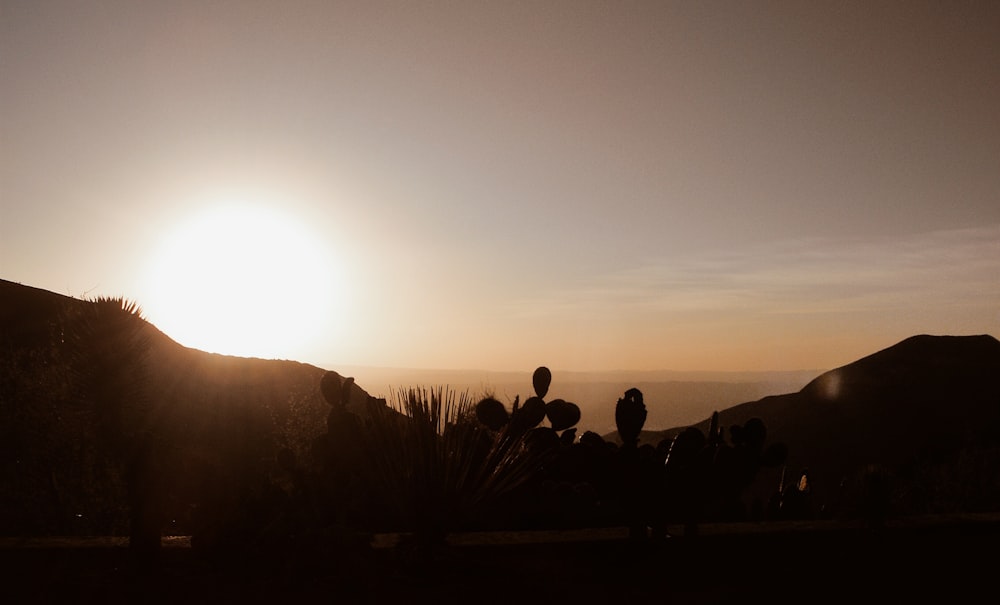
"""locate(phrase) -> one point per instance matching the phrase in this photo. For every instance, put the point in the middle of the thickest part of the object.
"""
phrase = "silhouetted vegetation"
(103, 416)
(109, 428)
(432, 462)
(108, 348)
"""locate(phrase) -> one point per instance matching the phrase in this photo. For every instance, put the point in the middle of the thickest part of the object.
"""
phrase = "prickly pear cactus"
(529, 415)
(562, 414)
(336, 390)
(630, 416)
(710, 474)
(491, 413)
(540, 380)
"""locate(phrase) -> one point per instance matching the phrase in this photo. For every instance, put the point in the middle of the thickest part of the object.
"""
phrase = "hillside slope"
(913, 408)
(58, 468)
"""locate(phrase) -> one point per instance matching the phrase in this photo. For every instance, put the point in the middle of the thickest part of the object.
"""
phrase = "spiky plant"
(435, 465)
(109, 344)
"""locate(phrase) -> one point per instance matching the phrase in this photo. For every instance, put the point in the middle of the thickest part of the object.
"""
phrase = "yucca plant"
(109, 344)
(434, 466)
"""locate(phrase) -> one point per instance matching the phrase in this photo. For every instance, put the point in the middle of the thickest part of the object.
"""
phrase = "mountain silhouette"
(917, 410)
(208, 413)
(29, 316)
(926, 411)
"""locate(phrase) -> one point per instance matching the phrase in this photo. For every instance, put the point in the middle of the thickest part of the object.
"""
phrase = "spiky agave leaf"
(433, 462)
(108, 343)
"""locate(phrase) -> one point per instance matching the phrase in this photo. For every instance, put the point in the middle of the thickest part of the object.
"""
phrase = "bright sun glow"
(241, 277)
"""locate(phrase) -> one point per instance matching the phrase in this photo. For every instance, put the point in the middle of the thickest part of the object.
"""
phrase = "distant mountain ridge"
(916, 407)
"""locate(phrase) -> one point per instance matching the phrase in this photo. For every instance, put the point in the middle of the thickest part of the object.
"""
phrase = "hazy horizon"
(597, 374)
(673, 398)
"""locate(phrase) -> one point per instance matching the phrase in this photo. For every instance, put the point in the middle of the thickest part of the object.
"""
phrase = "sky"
(500, 185)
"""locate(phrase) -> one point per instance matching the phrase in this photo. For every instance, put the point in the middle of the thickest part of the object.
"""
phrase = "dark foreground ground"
(917, 560)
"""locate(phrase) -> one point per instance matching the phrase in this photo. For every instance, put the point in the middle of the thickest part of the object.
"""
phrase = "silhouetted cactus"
(336, 390)
(436, 462)
(568, 436)
(752, 432)
(708, 475)
(540, 380)
(492, 413)
(562, 414)
(632, 482)
(795, 501)
(342, 425)
(430, 461)
(630, 416)
(592, 439)
(528, 416)
(553, 444)
(714, 430)
(542, 439)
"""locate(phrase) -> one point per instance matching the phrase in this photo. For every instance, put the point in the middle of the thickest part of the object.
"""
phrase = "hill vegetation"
(105, 422)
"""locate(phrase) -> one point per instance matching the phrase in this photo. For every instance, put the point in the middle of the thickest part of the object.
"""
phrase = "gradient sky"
(500, 185)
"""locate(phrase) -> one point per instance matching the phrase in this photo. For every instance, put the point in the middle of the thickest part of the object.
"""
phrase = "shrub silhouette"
(430, 461)
(427, 461)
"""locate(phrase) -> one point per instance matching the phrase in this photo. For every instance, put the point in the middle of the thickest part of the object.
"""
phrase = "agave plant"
(434, 466)
(109, 345)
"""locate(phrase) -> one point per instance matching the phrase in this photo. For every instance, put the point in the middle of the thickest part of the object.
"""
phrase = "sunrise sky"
(500, 185)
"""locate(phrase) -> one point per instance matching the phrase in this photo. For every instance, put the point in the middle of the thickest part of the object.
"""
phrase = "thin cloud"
(808, 276)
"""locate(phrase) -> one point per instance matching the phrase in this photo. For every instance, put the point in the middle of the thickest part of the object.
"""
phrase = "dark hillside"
(214, 423)
(926, 409)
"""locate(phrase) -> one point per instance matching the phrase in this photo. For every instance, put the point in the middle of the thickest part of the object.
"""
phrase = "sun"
(242, 277)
